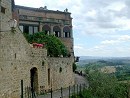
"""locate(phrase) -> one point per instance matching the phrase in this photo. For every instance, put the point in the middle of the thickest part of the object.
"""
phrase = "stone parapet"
(38, 52)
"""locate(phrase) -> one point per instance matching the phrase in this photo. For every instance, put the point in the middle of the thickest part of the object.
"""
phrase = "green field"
(122, 67)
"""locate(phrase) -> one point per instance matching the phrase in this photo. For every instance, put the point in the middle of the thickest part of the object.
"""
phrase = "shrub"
(103, 85)
(54, 46)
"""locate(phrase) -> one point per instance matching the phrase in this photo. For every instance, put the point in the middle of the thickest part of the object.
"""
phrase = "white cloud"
(30, 3)
(91, 13)
(78, 47)
(114, 6)
(124, 38)
(121, 39)
(111, 42)
(104, 51)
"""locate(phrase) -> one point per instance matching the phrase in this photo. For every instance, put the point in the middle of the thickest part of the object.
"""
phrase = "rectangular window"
(50, 19)
(3, 9)
(60, 20)
(39, 18)
(30, 17)
(26, 29)
(35, 29)
(23, 16)
(49, 76)
(21, 28)
(67, 22)
(30, 29)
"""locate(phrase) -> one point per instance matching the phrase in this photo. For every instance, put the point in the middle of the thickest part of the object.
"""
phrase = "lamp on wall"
(12, 24)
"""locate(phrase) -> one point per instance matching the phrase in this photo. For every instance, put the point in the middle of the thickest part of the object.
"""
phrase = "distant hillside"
(101, 58)
(119, 66)
(83, 60)
(89, 59)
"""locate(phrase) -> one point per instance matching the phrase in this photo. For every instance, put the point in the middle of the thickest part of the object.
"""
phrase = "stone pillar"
(40, 27)
(52, 33)
(62, 33)
(71, 32)
(58, 34)
(48, 32)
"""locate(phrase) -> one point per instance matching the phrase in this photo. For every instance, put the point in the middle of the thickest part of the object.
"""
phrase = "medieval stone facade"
(58, 23)
(19, 61)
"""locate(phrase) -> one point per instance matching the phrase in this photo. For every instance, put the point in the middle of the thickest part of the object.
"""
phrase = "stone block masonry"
(17, 59)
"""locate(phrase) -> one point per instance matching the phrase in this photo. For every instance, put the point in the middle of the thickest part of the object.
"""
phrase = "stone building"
(19, 61)
(58, 23)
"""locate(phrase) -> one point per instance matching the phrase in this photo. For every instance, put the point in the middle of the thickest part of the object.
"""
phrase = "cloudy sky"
(100, 27)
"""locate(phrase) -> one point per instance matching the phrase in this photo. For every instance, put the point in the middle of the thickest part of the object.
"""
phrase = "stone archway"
(57, 31)
(34, 79)
(47, 29)
(67, 31)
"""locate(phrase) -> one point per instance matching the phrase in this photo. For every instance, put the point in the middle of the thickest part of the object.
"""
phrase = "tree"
(103, 85)
(54, 46)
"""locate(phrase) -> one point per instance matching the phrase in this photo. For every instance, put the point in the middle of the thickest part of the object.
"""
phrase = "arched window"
(57, 31)
(46, 29)
(67, 31)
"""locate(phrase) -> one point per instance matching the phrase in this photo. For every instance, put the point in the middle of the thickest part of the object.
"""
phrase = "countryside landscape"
(109, 75)
(120, 66)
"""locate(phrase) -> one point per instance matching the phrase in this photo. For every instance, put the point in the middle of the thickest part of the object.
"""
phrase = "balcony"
(42, 19)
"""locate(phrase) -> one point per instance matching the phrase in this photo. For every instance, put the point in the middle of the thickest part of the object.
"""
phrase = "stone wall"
(61, 72)
(12, 59)
(17, 58)
(68, 42)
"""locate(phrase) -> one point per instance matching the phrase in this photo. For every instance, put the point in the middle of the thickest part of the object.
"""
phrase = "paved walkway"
(80, 80)
(57, 94)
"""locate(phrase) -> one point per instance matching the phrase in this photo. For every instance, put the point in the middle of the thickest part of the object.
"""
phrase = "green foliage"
(54, 46)
(122, 71)
(95, 66)
(103, 85)
(84, 94)
(74, 67)
(114, 62)
(106, 86)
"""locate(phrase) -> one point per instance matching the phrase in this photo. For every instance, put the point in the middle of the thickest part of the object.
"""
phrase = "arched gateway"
(34, 79)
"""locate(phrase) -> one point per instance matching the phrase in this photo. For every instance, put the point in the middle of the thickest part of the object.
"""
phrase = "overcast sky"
(100, 27)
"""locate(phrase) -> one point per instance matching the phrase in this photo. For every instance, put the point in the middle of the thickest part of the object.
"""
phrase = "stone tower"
(5, 14)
